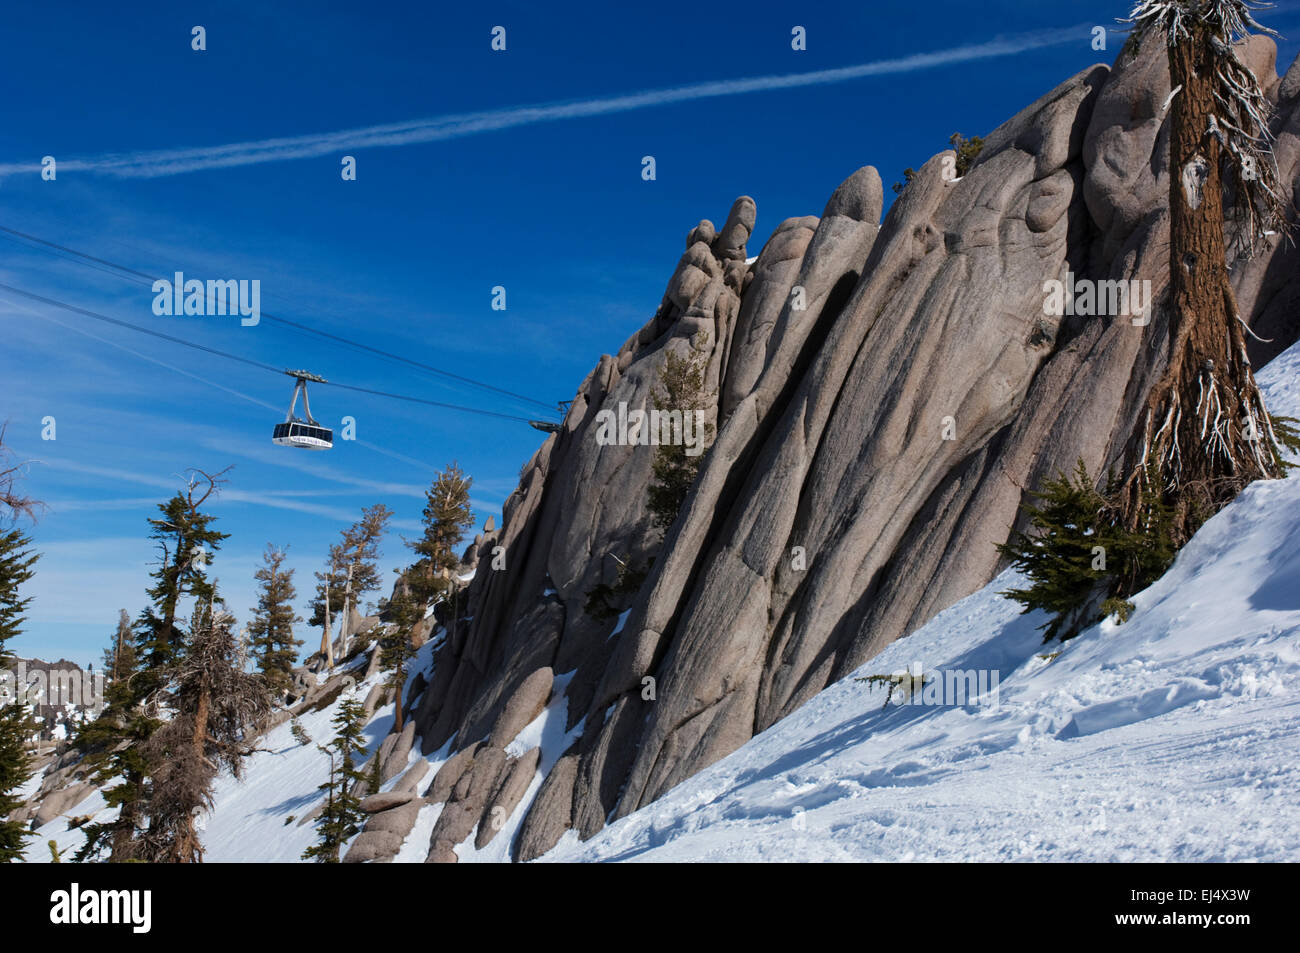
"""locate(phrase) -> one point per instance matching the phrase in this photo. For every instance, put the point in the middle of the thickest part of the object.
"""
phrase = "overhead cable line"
(190, 374)
(93, 261)
(246, 360)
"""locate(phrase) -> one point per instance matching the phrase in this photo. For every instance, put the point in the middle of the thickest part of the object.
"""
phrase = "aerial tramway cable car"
(546, 426)
(304, 434)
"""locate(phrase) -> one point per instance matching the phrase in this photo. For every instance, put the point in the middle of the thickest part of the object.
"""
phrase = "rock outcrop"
(885, 396)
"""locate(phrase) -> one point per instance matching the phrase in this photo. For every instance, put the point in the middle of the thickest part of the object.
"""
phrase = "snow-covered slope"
(259, 819)
(1170, 737)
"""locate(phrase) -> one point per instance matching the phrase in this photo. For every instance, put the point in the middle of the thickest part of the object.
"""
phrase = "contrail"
(165, 162)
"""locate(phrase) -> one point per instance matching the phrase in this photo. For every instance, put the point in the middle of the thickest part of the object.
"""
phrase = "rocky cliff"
(885, 394)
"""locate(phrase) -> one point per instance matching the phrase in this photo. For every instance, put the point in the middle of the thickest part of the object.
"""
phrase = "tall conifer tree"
(342, 817)
(16, 726)
(681, 389)
(271, 629)
(1204, 433)
(118, 740)
(187, 543)
(352, 570)
(397, 646)
(215, 704)
(446, 516)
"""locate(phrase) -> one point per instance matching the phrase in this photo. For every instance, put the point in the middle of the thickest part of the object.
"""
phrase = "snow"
(69, 840)
(248, 822)
(30, 786)
(416, 846)
(618, 626)
(1169, 737)
(547, 732)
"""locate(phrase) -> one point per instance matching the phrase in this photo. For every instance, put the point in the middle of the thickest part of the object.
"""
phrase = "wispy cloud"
(165, 162)
(228, 495)
(86, 581)
(100, 505)
(122, 347)
(213, 443)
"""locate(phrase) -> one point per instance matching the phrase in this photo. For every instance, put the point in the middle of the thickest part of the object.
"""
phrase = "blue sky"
(405, 257)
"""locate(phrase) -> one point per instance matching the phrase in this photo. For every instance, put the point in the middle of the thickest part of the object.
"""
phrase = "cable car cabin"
(304, 436)
(295, 432)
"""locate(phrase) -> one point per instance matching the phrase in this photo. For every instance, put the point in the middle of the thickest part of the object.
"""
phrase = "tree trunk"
(122, 841)
(326, 647)
(174, 591)
(189, 849)
(347, 614)
(400, 681)
(1204, 432)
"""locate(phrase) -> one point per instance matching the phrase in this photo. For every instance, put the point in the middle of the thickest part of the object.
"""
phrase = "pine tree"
(342, 817)
(1080, 558)
(215, 704)
(397, 647)
(908, 175)
(1204, 433)
(16, 561)
(967, 150)
(108, 744)
(114, 749)
(120, 657)
(95, 737)
(681, 388)
(352, 572)
(607, 601)
(14, 504)
(116, 741)
(446, 516)
(376, 779)
(187, 543)
(271, 629)
(328, 601)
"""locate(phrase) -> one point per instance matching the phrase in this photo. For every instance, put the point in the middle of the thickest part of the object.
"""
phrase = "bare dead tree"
(202, 484)
(14, 504)
(1204, 433)
(217, 704)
